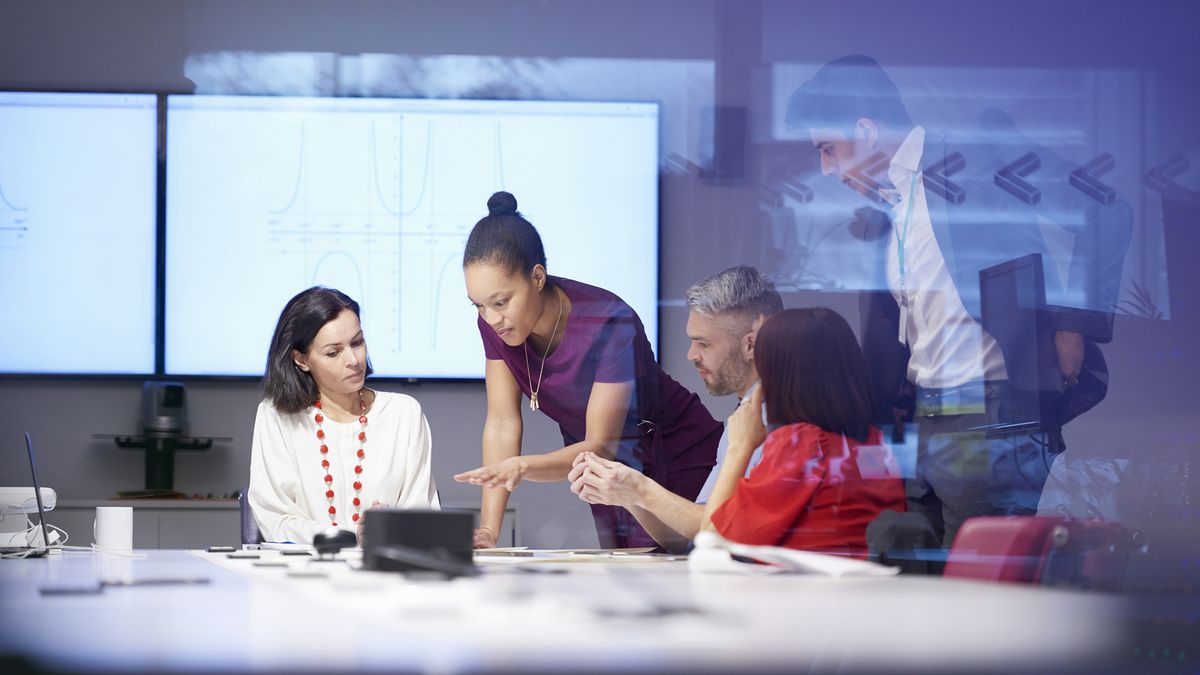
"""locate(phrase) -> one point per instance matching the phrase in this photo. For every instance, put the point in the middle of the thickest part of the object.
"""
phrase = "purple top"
(667, 429)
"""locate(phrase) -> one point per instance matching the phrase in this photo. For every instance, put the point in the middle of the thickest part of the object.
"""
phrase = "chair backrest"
(905, 540)
(1041, 550)
(250, 533)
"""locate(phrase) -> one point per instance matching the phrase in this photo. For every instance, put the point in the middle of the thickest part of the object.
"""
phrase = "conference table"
(188, 611)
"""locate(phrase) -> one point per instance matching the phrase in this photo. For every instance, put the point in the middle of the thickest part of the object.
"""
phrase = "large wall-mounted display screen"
(267, 196)
(77, 232)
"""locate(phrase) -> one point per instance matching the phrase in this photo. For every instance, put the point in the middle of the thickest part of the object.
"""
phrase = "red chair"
(1041, 550)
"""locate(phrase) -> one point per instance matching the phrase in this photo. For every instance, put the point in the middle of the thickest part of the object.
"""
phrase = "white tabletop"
(562, 616)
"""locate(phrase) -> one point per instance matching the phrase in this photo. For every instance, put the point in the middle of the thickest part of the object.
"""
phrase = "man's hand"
(1070, 355)
(601, 481)
(506, 474)
(578, 466)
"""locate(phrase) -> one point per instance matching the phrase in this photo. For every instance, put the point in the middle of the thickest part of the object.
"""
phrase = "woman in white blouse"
(326, 447)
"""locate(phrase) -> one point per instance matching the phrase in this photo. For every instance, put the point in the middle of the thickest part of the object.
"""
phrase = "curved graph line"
(424, 180)
(437, 297)
(299, 174)
(10, 205)
(353, 263)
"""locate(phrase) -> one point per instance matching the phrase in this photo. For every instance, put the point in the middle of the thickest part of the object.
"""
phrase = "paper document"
(286, 546)
(715, 554)
(510, 550)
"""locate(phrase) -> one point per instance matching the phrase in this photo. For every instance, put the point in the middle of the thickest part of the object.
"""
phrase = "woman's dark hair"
(812, 370)
(285, 385)
(504, 238)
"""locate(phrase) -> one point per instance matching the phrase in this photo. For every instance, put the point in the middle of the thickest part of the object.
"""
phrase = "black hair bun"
(502, 204)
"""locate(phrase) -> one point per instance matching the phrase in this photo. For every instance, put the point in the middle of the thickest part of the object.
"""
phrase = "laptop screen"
(1013, 307)
(37, 491)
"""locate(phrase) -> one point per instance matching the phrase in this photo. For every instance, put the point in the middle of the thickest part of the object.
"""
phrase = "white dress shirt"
(949, 348)
(287, 483)
(723, 447)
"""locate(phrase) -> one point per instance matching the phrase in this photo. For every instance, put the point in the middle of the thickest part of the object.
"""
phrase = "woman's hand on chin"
(745, 425)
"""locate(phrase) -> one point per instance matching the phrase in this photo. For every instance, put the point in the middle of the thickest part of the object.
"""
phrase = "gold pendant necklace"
(533, 391)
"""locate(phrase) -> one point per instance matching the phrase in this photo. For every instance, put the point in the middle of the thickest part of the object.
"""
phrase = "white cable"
(92, 548)
(65, 536)
(29, 550)
(34, 530)
(119, 554)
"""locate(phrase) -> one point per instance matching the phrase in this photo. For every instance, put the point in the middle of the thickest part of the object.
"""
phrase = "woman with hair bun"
(579, 354)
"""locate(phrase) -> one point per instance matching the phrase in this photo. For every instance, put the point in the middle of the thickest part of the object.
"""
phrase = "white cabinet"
(157, 523)
(193, 523)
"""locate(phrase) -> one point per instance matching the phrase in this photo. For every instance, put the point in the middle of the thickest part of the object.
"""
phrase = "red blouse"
(813, 490)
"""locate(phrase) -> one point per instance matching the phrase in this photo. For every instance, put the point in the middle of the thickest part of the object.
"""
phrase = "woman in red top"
(825, 472)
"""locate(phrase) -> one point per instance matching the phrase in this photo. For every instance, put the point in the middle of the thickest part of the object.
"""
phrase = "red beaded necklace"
(362, 439)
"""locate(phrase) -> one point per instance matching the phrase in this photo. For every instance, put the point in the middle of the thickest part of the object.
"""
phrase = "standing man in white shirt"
(725, 313)
(929, 355)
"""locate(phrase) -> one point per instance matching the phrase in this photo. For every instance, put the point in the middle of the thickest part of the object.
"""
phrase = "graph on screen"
(15, 229)
(77, 232)
(376, 197)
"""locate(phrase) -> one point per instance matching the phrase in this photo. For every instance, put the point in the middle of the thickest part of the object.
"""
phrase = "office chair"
(905, 540)
(250, 533)
(1051, 551)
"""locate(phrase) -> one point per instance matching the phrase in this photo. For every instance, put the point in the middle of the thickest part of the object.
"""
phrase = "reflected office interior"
(1088, 140)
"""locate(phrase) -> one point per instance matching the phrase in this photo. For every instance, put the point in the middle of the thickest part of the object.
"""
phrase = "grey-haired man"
(725, 313)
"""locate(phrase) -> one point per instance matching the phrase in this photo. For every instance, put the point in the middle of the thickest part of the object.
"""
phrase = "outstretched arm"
(607, 409)
(672, 520)
(501, 443)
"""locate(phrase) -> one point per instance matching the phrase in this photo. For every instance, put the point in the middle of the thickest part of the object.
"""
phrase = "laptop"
(1013, 306)
(29, 551)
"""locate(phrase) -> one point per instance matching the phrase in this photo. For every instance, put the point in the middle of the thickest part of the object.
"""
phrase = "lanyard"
(901, 238)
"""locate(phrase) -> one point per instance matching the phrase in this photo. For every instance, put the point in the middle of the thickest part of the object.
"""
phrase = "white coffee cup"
(113, 529)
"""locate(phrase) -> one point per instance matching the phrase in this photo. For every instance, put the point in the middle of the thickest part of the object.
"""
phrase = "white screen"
(267, 196)
(77, 232)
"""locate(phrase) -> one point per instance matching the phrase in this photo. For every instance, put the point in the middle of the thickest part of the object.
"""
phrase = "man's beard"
(730, 378)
